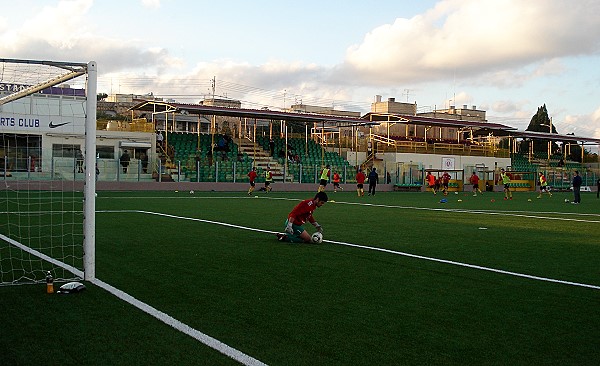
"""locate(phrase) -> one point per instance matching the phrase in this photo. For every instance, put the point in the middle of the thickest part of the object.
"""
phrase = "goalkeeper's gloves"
(289, 229)
(318, 227)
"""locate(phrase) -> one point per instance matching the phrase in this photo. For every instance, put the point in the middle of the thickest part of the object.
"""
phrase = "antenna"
(407, 93)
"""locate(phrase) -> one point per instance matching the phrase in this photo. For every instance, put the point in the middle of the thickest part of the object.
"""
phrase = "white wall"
(430, 161)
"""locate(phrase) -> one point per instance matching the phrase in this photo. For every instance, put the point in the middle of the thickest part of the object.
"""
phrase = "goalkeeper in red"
(294, 231)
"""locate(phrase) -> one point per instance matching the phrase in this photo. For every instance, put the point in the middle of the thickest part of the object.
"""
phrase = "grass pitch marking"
(180, 326)
(163, 317)
(395, 252)
(526, 214)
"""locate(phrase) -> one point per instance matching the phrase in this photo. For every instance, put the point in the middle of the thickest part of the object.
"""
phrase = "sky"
(507, 57)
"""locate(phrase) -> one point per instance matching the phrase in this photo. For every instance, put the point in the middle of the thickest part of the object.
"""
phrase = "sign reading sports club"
(20, 122)
(39, 124)
(55, 109)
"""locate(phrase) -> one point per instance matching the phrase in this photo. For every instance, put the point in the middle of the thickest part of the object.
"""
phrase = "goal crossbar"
(75, 70)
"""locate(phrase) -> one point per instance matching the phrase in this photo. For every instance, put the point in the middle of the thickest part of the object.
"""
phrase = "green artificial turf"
(327, 304)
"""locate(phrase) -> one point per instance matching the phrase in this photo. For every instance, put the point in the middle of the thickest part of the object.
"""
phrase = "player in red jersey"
(474, 180)
(336, 182)
(360, 181)
(430, 178)
(445, 181)
(294, 231)
(252, 175)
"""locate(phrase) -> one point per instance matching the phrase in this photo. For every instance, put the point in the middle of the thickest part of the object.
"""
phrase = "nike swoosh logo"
(53, 125)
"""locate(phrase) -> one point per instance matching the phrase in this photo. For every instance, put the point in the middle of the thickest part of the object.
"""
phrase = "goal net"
(47, 170)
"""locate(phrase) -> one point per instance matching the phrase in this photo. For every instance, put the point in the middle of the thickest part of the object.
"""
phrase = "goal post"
(89, 246)
(47, 197)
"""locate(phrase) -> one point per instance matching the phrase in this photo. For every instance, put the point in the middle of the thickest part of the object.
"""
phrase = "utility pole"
(214, 85)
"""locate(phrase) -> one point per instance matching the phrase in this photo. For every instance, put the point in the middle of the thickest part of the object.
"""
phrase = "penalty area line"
(395, 252)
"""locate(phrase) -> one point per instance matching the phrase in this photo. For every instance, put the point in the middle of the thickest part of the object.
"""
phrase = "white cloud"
(505, 107)
(581, 125)
(463, 37)
(58, 25)
(61, 32)
(151, 4)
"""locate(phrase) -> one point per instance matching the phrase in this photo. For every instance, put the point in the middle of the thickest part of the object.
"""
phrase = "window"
(64, 150)
(105, 152)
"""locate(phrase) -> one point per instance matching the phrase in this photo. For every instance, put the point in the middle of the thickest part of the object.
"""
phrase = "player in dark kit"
(445, 182)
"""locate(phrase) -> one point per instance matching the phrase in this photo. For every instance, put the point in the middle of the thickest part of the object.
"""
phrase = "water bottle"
(49, 283)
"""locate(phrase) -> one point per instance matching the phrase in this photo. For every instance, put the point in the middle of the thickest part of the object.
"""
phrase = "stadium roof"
(161, 107)
(553, 137)
(436, 122)
(481, 127)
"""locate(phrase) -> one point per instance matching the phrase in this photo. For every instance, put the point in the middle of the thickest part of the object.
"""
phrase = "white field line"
(527, 214)
(484, 212)
(165, 318)
(43, 256)
(516, 274)
(184, 328)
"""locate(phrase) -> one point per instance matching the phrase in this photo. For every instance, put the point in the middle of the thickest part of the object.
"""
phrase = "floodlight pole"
(550, 141)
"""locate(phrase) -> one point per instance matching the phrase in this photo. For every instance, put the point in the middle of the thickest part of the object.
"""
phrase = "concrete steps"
(262, 159)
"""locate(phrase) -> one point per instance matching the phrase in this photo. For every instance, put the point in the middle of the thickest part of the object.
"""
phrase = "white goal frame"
(68, 71)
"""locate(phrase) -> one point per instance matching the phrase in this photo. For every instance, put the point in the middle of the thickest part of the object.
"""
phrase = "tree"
(575, 154)
(540, 122)
(101, 96)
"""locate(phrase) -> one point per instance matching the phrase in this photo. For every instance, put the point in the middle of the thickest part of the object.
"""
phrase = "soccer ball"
(192, 192)
(317, 238)
(566, 200)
